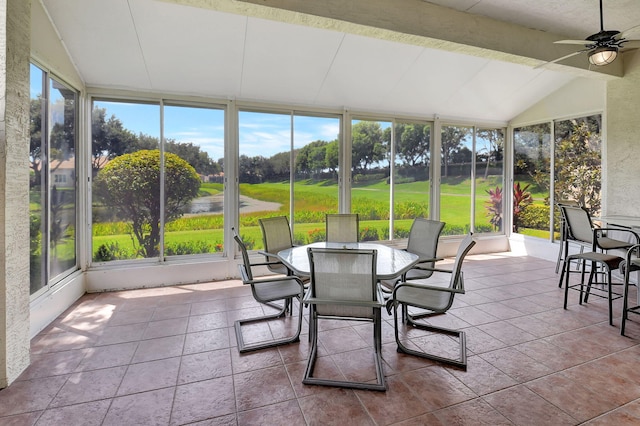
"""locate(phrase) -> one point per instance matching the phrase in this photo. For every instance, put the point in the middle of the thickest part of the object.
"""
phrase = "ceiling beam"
(424, 24)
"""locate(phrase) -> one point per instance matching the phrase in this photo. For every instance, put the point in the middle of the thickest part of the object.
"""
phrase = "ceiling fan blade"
(560, 59)
(630, 31)
(631, 44)
(581, 42)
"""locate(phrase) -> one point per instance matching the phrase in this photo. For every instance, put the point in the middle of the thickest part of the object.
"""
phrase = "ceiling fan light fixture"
(603, 55)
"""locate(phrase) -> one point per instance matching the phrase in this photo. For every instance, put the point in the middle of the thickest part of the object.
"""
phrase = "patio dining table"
(391, 262)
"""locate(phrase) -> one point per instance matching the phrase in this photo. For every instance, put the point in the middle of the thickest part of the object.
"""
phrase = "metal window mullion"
(472, 223)
(162, 186)
(392, 173)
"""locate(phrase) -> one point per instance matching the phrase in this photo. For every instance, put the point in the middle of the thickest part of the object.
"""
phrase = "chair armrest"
(429, 287)
(600, 232)
(267, 254)
(448, 271)
(272, 280)
(379, 303)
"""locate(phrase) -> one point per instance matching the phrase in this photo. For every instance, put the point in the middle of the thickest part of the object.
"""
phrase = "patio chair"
(631, 264)
(579, 229)
(579, 226)
(276, 235)
(565, 237)
(437, 299)
(342, 228)
(344, 287)
(423, 241)
(267, 291)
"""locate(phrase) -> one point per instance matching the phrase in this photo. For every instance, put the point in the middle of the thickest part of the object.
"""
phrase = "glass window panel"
(195, 225)
(411, 188)
(315, 191)
(126, 192)
(531, 174)
(489, 209)
(455, 182)
(264, 170)
(370, 171)
(62, 178)
(37, 246)
(578, 162)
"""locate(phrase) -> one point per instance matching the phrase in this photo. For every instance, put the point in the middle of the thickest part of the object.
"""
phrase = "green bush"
(317, 235)
(112, 251)
(369, 234)
(188, 247)
(535, 216)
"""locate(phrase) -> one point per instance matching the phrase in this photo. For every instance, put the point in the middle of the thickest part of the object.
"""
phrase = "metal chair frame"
(266, 291)
(408, 293)
(343, 308)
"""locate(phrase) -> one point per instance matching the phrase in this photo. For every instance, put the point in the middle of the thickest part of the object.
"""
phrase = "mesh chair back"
(578, 221)
(245, 267)
(342, 228)
(423, 238)
(456, 276)
(276, 234)
(343, 276)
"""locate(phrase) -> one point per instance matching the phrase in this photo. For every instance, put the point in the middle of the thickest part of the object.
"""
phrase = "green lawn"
(314, 199)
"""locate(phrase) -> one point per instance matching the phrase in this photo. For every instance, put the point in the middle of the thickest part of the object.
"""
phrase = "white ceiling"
(149, 45)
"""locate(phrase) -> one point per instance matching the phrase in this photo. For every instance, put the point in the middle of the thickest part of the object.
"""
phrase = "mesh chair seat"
(422, 295)
(276, 290)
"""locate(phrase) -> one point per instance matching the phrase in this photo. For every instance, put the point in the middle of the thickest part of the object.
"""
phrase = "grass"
(316, 198)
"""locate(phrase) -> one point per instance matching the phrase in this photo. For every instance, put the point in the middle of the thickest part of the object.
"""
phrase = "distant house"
(63, 173)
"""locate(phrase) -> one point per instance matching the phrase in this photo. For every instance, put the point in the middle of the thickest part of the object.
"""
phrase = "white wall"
(579, 97)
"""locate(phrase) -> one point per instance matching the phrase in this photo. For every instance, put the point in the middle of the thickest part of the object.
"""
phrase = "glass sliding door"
(370, 175)
(125, 163)
(411, 184)
(194, 224)
(532, 177)
(53, 179)
(455, 179)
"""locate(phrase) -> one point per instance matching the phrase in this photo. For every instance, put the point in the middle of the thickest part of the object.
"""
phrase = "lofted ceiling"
(197, 47)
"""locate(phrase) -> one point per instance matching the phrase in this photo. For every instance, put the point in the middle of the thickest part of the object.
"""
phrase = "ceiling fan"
(603, 46)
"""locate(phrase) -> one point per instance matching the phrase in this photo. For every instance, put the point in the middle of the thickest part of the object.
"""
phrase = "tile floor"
(168, 357)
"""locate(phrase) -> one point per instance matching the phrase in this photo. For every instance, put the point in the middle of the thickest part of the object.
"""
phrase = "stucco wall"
(623, 142)
(14, 181)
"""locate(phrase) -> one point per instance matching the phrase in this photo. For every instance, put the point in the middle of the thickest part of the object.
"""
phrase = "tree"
(332, 155)
(578, 163)
(130, 184)
(109, 139)
(412, 143)
(369, 144)
(495, 138)
(452, 137)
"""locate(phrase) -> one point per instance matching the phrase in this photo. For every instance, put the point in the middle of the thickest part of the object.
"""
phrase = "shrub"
(369, 234)
(316, 235)
(535, 216)
(112, 251)
(187, 247)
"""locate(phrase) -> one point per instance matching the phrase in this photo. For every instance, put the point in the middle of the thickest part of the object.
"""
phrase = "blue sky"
(260, 133)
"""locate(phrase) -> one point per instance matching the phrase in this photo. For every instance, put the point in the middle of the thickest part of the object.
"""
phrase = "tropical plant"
(521, 199)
